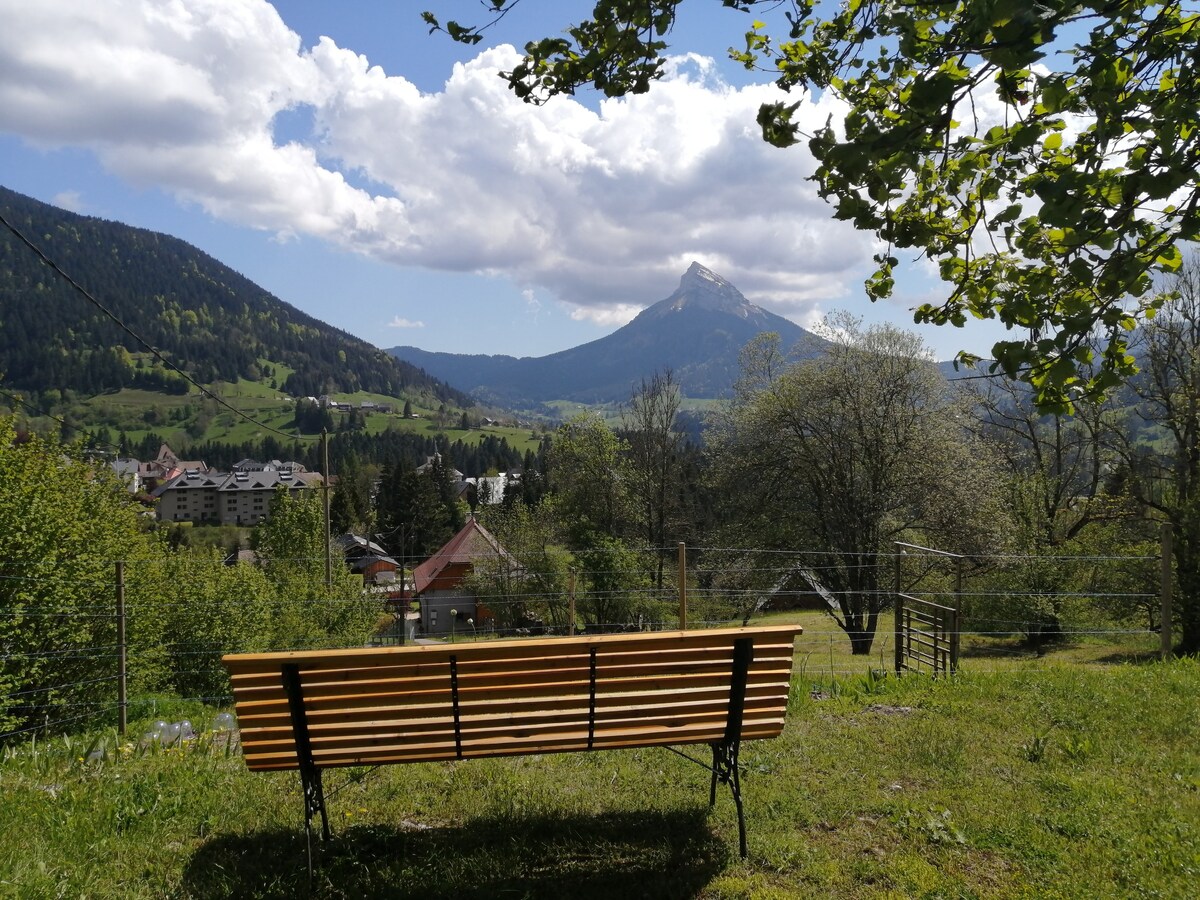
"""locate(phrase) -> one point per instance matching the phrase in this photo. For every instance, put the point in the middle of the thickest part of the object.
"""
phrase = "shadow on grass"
(1015, 648)
(653, 854)
(1132, 657)
(1022, 649)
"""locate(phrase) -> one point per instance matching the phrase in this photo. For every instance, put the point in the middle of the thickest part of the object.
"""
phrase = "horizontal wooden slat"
(524, 647)
(481, 685)
(433, 750)
(524, 671)
(672, 728)
(474, 718)
(551, 731)
(317, 695)
(276, 713)
(314, 683)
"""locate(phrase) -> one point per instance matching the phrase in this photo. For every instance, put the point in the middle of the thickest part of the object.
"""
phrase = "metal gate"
(927, 633)
(926, 636)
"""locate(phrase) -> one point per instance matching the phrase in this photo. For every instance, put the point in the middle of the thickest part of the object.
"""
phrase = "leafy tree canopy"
(1052, 215)
(843, 454)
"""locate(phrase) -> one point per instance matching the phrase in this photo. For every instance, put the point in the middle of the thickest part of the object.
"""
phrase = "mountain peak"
(698, 275)
(702, 288)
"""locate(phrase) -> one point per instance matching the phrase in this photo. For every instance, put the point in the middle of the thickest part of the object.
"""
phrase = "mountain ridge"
(208, 319)
(698, 332)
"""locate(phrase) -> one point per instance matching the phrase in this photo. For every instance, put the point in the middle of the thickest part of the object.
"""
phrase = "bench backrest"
(512, 697)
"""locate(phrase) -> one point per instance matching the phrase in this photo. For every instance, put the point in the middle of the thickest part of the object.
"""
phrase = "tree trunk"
(860, 641)
(859, 617)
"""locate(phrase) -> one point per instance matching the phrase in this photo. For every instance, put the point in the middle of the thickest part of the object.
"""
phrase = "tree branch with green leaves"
(1053, 218)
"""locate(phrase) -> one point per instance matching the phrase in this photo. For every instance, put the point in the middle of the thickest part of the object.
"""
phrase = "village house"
(164, 467)
(366, 558)
(489, 489)
(446, 605)
(128, 471)
(464, 489)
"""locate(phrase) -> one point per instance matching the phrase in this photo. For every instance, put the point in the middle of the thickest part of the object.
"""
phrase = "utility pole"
(122, 695)
(325, 499)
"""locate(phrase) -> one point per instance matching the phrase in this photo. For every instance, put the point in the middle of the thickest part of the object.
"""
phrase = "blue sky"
(384, 181)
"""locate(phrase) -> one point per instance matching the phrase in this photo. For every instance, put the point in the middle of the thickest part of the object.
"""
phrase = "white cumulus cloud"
(597, 208)
(401, 322)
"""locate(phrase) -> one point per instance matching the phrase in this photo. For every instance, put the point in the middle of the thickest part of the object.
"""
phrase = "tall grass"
(1059, 781)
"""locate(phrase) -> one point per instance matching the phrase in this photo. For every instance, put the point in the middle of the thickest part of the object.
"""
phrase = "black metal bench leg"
(725, 770)
(735, 785)
(314, 803)
(712, 790)
(310, 772)
(725, 753)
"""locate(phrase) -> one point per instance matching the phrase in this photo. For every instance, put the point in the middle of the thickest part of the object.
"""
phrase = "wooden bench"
(314, 710)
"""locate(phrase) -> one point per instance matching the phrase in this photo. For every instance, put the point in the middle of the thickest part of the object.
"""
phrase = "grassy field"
(186, 419)
(1057, 776)
(138, 413)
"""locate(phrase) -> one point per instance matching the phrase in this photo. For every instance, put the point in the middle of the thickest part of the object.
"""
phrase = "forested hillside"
(204, 317)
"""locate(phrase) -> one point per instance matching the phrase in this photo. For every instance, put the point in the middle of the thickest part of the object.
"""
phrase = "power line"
(153, 350)
(20, 401)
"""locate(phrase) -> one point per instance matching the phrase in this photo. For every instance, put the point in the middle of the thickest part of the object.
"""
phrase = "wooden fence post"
(122, 697)
(682, 586)
(956, 618)
(571, 605)
(1165, 593)
(898, 636)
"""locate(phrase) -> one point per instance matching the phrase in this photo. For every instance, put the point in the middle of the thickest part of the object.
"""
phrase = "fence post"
(1165, 593)
(571, 605)
(682, 587)
(122, 697)
(956, 618)
(898, 637)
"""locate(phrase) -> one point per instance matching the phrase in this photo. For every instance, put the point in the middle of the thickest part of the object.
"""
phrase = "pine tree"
(410, 514)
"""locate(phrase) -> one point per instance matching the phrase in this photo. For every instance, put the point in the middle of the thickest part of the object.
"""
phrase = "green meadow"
(1074, 774)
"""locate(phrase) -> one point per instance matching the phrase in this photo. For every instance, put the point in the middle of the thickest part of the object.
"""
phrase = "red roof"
(472, 543)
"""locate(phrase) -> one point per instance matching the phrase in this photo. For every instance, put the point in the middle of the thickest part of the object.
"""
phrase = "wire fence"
(79, 653)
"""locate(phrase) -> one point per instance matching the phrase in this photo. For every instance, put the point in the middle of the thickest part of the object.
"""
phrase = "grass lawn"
(1046, 779)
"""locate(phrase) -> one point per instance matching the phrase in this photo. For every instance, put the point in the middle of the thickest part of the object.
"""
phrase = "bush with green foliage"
(306, 612)
(63, 524)
(185, 610)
